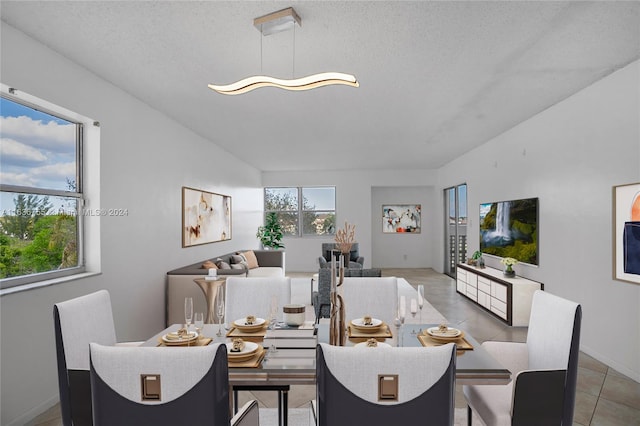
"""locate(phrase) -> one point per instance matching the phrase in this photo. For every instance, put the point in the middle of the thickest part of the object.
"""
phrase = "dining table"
(282, 367)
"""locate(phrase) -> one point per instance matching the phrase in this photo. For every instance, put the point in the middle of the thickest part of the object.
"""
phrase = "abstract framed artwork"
(401, 218)
(206, 217)
(626, 233)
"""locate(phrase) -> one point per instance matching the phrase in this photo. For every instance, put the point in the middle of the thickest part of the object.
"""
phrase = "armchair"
(355, 260)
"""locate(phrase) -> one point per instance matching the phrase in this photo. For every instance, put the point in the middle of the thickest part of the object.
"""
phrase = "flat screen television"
(510, 229)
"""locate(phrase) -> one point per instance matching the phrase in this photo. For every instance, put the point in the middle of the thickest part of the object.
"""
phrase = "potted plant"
(270, 235)
(508, 262)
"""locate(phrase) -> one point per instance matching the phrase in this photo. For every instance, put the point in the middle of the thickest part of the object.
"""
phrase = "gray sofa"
(180, 284)
(321, 298)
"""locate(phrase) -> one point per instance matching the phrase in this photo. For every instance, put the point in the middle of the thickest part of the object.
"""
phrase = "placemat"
(256, 336)
(384, 333)
(461, 344)
(204, 341)
(254, 362)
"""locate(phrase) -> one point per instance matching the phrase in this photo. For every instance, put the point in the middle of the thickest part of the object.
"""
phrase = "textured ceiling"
(436, 78)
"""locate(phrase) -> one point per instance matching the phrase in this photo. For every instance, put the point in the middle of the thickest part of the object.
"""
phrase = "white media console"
(507, 298)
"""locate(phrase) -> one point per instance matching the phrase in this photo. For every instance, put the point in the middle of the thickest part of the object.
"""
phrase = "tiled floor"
(604, 396)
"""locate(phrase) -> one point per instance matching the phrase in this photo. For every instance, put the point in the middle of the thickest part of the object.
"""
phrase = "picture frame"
(626, 233)
(206, 217)
(401, 218)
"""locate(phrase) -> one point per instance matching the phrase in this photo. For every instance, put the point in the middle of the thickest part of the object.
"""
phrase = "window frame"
(300, 210)
(12, 284)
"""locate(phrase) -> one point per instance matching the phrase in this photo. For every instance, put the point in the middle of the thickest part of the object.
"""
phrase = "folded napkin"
(180, 334)
(237, 345)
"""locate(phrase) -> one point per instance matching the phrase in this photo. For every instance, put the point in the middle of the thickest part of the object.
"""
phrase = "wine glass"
(220, 314)
(188, 312)
(420, 299)
(413, 306)
(198, 321)
(402, 312)
(273, 312)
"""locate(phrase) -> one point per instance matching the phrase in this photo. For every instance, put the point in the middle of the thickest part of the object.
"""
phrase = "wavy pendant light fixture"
(272, 23)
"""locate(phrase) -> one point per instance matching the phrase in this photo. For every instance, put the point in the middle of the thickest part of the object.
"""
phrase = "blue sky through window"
(36, 149)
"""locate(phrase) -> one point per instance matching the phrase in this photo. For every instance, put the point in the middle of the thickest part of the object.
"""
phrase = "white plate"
(242, 322)
(249, 348)
(192, 336)
(451, 333)
(380, 345)
(359, 322)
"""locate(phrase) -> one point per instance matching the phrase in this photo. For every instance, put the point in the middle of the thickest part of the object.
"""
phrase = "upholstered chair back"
(348, 385)
(551, 327)
(376, 297)
(252, 296)
(77, 322)
(188, 385)
(321, 298)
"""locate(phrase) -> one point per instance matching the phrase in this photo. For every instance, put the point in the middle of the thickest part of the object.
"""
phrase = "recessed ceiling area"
(437, 79)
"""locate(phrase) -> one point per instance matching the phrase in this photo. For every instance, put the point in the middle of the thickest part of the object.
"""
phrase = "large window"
(303, 211)
(41, 192)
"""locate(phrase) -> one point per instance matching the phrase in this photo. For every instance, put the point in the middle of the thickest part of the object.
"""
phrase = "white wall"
(403, 250)
(570, 156)
(355, 204)
(145, 160)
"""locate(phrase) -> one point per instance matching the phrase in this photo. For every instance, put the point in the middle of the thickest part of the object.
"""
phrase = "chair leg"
(469, 416)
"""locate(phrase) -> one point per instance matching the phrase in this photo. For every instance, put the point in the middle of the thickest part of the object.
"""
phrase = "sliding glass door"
(455, 227)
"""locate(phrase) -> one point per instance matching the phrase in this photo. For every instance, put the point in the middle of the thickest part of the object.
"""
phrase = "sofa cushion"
(238, 266)
(266, 271)
(250, 258)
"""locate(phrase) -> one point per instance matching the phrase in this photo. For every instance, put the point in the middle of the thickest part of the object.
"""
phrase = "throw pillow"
(236, 259)
(353, 255)
(209, 265)
(250, 257)
(221, 264)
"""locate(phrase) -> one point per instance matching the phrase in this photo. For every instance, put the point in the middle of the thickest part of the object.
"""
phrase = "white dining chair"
(77, 322)
(252, 296)
(385, 386)
(164, 387)
(544, 369)
(376, 297)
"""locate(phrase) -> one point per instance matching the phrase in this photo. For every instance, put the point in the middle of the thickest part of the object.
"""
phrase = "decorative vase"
(509, 273)
(337, 325)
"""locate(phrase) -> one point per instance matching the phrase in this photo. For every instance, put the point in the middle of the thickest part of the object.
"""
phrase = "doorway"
(455, 227)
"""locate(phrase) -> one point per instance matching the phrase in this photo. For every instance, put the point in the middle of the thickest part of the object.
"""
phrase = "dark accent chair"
(355, 260)
(321, 298)
(544, 369)
(174, 397)
(348, 382)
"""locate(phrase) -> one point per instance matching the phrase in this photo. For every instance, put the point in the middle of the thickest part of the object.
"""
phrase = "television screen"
(510, 229)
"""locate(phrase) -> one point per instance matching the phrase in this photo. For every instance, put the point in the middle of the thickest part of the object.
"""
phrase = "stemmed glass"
(273, 312)
(188, 312)
(220, 313)
(273, 320)
(198, 321)
(420, 299)
(402, 312)
(413, 306)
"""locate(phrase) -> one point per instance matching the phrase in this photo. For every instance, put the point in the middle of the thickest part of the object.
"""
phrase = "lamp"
(272, 23)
